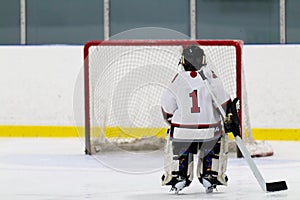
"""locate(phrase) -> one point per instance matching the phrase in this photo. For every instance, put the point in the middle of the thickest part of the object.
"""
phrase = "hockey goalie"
(196, 128)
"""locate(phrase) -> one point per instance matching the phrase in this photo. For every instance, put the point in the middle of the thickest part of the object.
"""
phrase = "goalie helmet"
(192, 58)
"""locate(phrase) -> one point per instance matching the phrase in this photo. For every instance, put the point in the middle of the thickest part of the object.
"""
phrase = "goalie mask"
(193, 58)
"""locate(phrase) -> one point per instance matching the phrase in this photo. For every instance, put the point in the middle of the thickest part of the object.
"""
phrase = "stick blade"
(276, 186)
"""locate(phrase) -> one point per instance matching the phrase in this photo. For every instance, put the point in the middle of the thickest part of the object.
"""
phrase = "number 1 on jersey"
(195, 108)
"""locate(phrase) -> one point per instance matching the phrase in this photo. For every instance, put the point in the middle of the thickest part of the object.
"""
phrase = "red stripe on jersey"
(174, 78)
(213, 74)
(166, 115)
(196, 126)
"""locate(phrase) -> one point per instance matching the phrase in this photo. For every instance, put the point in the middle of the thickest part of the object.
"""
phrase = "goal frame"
(237, 44)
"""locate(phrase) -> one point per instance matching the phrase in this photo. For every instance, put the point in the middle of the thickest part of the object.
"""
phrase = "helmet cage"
(193, 58)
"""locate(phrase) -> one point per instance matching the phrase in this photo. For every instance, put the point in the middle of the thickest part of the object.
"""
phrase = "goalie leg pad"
(178, 163)
(213, 165)
(223, 158)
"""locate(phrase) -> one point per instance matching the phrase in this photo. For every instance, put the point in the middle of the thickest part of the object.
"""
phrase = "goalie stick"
(267, 187)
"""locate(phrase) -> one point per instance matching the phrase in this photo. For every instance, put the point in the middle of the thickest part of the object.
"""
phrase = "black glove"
(231, 121)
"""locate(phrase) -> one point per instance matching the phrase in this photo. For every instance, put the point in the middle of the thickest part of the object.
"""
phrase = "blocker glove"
(231, 121)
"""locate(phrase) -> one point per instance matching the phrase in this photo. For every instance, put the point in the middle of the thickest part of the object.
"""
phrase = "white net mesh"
(126, 81)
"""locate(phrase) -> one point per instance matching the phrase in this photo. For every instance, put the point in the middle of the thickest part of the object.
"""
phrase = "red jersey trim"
(174, 78)
(197, 126)
(225, 103)
(165, 114)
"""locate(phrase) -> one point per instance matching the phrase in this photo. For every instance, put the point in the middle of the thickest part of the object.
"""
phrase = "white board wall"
(37, 84)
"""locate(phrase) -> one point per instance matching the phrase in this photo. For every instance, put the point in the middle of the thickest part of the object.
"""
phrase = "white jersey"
(190, 105)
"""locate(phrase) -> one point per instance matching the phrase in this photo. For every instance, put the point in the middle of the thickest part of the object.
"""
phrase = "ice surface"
(37, 168)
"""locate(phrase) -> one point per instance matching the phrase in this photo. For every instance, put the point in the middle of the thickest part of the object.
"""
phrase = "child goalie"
(196, 127)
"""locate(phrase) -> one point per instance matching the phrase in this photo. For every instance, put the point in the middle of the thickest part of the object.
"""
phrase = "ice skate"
(179, 186)
(208, 184)
(209, 187)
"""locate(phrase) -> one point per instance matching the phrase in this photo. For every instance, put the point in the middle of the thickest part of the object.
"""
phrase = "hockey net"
(124, 81)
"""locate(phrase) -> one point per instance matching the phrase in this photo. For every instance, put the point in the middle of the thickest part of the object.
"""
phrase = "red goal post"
(99, 54)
